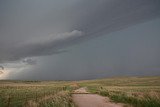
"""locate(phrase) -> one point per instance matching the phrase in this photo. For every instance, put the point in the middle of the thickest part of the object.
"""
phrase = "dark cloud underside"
(89, 17)
(42, 28)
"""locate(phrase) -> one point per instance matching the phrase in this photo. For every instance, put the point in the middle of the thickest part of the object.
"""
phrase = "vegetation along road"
(82, 98)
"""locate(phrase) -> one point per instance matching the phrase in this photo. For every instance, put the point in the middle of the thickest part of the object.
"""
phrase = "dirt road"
(82, 98)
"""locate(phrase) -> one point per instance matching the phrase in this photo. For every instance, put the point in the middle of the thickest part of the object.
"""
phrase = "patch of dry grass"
(34, 94)
(137, 91)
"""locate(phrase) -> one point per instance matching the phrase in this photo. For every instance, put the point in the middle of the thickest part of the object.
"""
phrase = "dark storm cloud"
(108, 16)
(2, 67)
(26, 26)
(43, 47)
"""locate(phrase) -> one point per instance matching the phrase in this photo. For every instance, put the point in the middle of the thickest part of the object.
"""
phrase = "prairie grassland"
(135, 91)
(35, 94)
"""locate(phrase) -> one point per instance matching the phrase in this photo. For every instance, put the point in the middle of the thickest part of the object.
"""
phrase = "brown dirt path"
(84, 99)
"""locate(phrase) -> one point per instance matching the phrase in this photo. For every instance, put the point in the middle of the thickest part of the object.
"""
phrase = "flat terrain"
(110, 92)
(36, 94)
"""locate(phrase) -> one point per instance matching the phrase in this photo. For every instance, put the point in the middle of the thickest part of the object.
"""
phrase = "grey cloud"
(106, 16)
(81, 20)
(2, 67)
(41, 47)
(29, 61)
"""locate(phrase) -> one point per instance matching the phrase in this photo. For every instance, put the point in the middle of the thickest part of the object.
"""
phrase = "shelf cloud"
(90, 18)
(42, 28)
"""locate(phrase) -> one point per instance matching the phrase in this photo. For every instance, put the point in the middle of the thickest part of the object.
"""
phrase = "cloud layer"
(94, 18)
(89, 18)
(43, 47)
(42, 28)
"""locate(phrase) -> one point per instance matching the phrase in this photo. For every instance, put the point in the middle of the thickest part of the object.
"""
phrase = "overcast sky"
(79, 39)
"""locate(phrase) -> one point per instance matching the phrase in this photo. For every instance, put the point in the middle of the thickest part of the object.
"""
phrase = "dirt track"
(84, 99)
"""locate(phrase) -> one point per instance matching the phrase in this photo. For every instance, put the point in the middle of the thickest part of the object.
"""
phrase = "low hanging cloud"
(80, 20)
(2, 67)
(29, 61)
(42, 47)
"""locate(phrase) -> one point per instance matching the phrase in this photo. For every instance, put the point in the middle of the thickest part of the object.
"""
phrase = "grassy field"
(35, 94)
(134, 91)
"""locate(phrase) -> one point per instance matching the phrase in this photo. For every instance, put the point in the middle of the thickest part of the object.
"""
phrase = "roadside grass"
(139, 92)
(61, 99)
(145, 101)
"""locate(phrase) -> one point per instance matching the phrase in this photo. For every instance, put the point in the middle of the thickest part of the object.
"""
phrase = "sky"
(79, 39)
